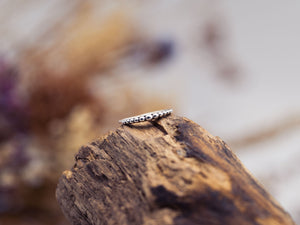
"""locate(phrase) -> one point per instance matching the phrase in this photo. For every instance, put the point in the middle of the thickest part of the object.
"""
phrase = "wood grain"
(170, 171)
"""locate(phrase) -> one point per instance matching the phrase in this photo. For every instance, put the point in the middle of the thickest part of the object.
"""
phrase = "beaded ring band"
(146, 117)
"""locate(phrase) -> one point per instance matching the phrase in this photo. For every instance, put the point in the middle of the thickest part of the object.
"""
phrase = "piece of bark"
(169, 171)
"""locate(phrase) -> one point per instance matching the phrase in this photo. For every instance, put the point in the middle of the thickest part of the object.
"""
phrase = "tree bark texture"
(169, 171)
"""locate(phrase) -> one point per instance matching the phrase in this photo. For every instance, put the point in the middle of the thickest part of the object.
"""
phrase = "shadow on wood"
(169, 171)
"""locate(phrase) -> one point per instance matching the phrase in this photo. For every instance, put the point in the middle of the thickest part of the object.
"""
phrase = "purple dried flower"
(7, 85)
(12, 112)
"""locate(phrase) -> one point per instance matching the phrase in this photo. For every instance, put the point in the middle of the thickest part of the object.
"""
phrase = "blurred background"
(69, 70)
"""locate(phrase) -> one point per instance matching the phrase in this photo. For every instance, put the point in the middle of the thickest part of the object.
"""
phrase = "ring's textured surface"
(146, 117)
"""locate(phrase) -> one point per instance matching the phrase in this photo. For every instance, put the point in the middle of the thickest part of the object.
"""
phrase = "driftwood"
(169, 171)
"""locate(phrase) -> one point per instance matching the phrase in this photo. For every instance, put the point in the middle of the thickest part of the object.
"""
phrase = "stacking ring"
(146, 117)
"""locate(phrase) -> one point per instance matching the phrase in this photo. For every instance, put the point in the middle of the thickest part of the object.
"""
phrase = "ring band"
(146, 117)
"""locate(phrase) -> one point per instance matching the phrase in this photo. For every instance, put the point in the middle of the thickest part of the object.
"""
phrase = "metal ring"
(146, 117)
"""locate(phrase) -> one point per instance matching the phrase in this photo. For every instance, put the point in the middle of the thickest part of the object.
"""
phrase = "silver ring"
(146, 117)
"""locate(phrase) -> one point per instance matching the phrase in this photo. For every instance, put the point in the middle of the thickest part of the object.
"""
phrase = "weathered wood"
(171, 171)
